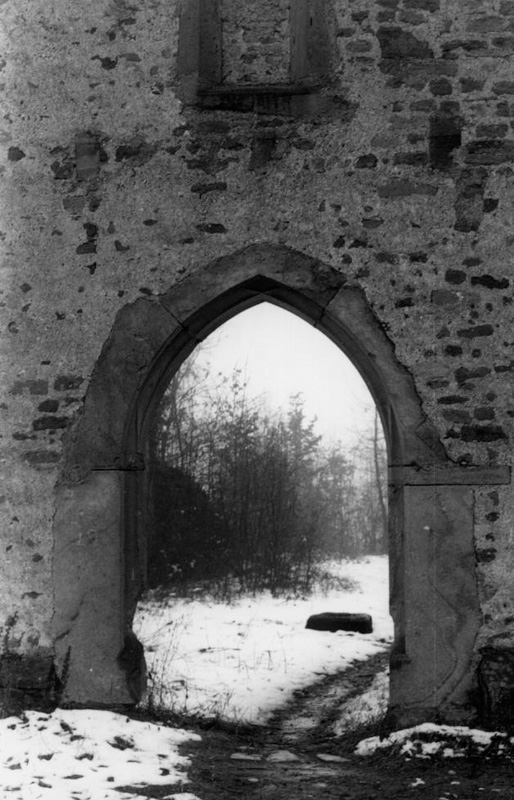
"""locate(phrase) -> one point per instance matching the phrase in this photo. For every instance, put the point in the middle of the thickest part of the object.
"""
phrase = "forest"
(245, 498)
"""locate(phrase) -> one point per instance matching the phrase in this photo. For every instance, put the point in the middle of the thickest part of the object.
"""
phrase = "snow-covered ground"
(240, 662)
(86, 755)
(236, 661)
(244, 660)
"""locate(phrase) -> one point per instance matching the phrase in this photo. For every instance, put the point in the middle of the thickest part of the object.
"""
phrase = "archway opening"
(99, 525)
(265, 505)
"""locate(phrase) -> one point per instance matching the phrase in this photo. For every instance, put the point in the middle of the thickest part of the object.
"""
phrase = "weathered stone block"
(441, 584)
(399, 43)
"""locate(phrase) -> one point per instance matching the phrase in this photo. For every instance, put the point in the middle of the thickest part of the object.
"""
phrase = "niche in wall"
(247, 56)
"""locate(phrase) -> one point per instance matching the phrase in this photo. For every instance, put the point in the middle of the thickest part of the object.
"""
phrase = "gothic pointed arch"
(100, 511)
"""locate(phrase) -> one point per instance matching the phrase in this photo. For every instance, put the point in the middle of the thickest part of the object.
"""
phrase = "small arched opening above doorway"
(102, 552)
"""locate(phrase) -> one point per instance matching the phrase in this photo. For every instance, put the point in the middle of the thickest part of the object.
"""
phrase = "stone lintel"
(438, 475)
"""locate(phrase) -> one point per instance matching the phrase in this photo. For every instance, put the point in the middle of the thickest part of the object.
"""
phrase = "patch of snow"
(86, 755)
(242, 661)
(428, 739)
(371, 705)
(331, 758)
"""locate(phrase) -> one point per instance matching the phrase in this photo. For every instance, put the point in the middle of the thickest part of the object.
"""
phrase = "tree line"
(249, 498)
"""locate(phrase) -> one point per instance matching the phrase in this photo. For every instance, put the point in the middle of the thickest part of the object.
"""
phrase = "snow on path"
(86, 755)
(242, 661)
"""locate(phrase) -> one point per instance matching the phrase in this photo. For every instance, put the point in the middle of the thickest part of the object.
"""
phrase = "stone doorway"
(100, 514)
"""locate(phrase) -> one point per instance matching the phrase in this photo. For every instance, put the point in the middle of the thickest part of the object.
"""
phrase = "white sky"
(282, 355)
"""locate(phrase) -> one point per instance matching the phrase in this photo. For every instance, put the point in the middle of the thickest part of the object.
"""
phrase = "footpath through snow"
(240, 662)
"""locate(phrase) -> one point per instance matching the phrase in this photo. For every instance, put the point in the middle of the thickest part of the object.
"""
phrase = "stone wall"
(255, 41)
(394, 166)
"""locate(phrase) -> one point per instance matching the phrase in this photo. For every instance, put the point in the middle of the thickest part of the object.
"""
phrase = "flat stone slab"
(333, 621)
(281, 756)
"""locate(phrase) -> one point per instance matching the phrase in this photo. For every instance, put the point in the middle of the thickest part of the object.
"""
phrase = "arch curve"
(99, 523)
(151, 337)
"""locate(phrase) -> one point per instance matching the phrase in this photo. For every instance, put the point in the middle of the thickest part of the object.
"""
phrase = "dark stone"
(62, 170)
(27, 682)
(74, 205)
(451, 399)
(262, 150)
(441, 86)
(418, 258)
(397, 188)
(91, 231)
(457, 416)
(478, 330)
(137, 150)
(372, 222)
(490, 204)
(368, 161)
(496, 687)
(331, 621)
(486, 555)
(15, 154)
(455, 276)
(211, 227)
(471, 85)
(503, 87)
(65, 383)
(86, 248)
(383, 257)
(106, 62)
(40, 457)
(498, 131)
(484, 413)
(32, 386)
(405, 302)
(468, 45)
(486, 24)
(444, 297)
(490, 282)
(489, 153)
(204, 188)
(453, 350)
(469, 203)
(411, 159)
(463, 374)
(505, 367)
(444, 138)
(49, 405)
(423, 5)
(87, 156)
(339, 242)
(398, 43)
(50, 422)
(478, 433)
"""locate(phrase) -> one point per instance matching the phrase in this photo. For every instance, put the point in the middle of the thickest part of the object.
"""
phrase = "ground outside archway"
(100, 505)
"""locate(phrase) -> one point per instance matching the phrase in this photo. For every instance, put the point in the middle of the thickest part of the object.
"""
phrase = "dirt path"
(297, 757)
